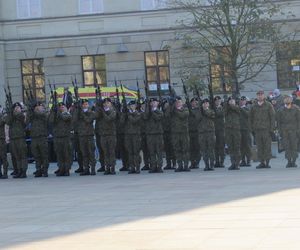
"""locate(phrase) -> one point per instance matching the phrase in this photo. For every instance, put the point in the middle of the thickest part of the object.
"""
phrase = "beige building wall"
(122, 22)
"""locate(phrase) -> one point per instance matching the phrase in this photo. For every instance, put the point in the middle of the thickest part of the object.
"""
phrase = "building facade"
(53, 41)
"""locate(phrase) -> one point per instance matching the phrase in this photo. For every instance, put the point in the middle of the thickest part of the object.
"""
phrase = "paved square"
(246, 209)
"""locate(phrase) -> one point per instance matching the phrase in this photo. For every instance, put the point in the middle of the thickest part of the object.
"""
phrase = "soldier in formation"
(185, 131)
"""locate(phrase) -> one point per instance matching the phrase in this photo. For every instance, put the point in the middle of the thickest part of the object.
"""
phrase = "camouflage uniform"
(18, 147)
(120, 148)
(76, 145)
(262, 123)
(84, 122)
(98, 143)
(168, 147)
(107, 123)
(180, 136)
(245, 137)
(132, 139)
(62, 125)
(233, 134)
(154, 133)
(288, 121)
(220, 137)
(144, 146)
(3, 149)
(194, 138)
(207, 138)
(39, 142)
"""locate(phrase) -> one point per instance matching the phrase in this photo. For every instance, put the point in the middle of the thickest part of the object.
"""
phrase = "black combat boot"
(85, 172)
(102, 169)
(138, 169)
(124, 168)
(159, 169)
(132, 170)
(217, 164)
(261, 165)
(38, 173)
(294, 165)
(146, 167)
(18, 174)
(152, 168)
(93, 170)
(180, 167)
(168, 166)
(206, 162)
(79, 170)
(289, 163)
(268, 164)
(45, 172)
(23, 175)
(186, 167)
(112, 170)
(243, 163)
(107, 170)
(211, 165)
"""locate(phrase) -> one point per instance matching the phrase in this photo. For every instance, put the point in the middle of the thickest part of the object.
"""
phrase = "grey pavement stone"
(246, 209)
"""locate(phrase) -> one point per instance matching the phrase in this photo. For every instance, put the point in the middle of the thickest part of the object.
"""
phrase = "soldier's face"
(194, 104)
(232, 102)
(288, 100)
(40, 108)
(85, 105)
(243, 102)
(218, 102)
(132, 107)
(205, 105)
(179, 104)
(62, 108)
(107, 104)
(154, 104)
(18, 109)
(260, 97)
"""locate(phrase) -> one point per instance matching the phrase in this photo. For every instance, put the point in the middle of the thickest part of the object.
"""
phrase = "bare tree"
(241, 35)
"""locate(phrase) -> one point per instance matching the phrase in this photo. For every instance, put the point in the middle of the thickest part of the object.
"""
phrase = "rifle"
(187, 98)
(117, 103)
(148, 107)
(99, 100)
(211, 94)
(124, 103)
(55, 104)
(8, 102)
(75, 86)
(138, 107)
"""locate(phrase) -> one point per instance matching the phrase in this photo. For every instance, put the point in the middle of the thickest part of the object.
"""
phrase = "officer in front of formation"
(262, 124)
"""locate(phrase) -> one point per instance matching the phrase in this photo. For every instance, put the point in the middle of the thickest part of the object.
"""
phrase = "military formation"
(184, 132)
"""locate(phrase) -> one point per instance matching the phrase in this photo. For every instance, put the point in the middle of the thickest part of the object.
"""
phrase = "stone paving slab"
(246, 209)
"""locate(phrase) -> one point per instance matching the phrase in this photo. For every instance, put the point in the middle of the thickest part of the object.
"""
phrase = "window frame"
(33, 75)
(94, 70)
(157, 67)
(224, 71)
(285, 62)
(80, 12)
(155, 5)
(28, 6)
